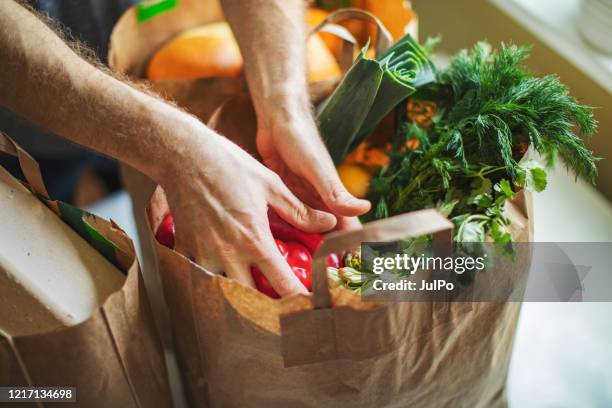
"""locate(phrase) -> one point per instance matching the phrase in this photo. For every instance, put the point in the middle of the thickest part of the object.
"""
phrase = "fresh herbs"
(490, 101)
(461, 140)
(464, 156)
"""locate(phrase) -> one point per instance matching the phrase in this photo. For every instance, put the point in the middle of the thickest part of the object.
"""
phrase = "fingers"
(275, 267)
(320, 171)
(338, 199)
(191, 248)
(348, 224)
(256, 248)
(333, 193)
(296, 213)
(240, 272)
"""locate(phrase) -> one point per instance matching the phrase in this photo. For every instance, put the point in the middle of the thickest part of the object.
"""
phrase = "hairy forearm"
(43, 80)
(271, 35)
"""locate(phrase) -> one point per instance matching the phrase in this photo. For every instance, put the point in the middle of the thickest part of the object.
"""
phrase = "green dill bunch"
(491, 107)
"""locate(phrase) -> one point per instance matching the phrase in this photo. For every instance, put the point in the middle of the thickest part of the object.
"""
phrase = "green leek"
(368, 92)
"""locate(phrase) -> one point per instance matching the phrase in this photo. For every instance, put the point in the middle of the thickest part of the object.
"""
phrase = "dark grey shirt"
(89, 21)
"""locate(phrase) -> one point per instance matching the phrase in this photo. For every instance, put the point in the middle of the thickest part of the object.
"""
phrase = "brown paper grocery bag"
(237, 347)
(131, 46)
(114, 357)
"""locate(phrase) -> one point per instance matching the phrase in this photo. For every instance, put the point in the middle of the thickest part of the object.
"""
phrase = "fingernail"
(349, 199)
(346, 197)
(325, 218)
(364, 203)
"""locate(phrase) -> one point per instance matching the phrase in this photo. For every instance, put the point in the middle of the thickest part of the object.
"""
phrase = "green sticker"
(149, 9)
(73, 216)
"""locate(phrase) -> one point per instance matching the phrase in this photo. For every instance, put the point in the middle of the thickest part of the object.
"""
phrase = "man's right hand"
(219, 196)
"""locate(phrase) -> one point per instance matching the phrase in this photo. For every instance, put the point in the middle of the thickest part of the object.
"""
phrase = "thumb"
(336, 197)
(298, 214)
(313, 163)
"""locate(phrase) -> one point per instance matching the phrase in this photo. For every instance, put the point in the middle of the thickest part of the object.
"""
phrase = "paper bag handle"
(409, 225)
(29, 166)
(349, 43)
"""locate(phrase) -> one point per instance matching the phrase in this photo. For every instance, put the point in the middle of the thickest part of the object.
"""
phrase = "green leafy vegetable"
(470, 157)
(369, 91)
(532, 176)
(490, 110)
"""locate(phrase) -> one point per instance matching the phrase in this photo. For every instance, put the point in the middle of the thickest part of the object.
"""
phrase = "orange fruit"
(313, 17)
(205, 51)
(212, 51)
(394, 14)
(355, 178)
(320, 62)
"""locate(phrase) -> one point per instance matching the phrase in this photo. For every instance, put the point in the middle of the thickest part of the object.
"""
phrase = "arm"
(272, 38)
(219, 194)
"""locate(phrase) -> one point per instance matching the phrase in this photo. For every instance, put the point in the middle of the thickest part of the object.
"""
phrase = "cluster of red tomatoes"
(296, 246)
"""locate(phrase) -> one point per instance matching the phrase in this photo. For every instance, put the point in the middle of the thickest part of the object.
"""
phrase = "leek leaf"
(342, 115)
(368, 92)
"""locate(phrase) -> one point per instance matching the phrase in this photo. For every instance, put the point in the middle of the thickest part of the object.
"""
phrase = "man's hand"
(289, 143)
(219, 196)
(218, 193)
(271, 36)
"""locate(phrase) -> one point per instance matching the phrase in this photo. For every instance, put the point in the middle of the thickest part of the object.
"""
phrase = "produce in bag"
(356, 178)
(211, 50)
(461, 141)
(488, 111)
(298, 258)
(324, 342)
(165, 232)
(296, 246)
(368, 92)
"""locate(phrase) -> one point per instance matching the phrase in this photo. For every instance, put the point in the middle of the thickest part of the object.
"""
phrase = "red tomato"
(282, 247)
(263, 284)
(304, 276)
(282, 230)
(165, 231)
(298, 255)
(299, 259)
(333, 260)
